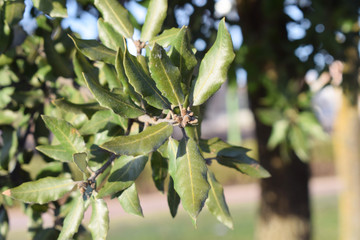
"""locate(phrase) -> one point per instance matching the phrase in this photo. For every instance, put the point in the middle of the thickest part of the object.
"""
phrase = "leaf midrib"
(191, 176)
(215, 196)
(43, 189)
(117, 17)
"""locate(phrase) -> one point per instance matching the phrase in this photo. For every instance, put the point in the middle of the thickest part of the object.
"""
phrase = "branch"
(102, 169)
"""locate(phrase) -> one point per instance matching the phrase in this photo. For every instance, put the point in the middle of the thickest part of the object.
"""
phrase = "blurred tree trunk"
(346, 141)
(284, 208)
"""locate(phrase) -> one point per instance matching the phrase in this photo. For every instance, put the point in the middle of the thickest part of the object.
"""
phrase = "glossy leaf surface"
(57, 152)
(166, 37)
(41, 191)
(116, 15)
(155, 17)
(94, 50)
(214, 66)
(173, 198)
(99, 221)
(142, 83)
(142, 143)
(109, 37)
(216, 202)
(166, 75)
(125, 171)
(190, 179)
(129, 201)
(119, 103)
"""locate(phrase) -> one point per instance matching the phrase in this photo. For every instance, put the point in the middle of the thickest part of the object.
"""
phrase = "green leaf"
(109, 37)
(159, 166)
(278, 133)
(142, 143)
(57, 152)
(66, 134)
(99, 221)
(87, 108)
(155, 17)
(190, 179)
(120, 103)
(232, 156)
(298, 142)
(216, 202)
(214, 67)
(269, 116)
(4, 222)
(116, 15)
(107, 74)
(5, 96)
(41, 191)
(98, 121)
(54, 8)
(9, 147)
(94, 50)
(172, 149)
(80, 159)
(173, 198)
(183, 57)
(129, 201)
(73, 219)
(166, 75)
(142, 83)
(14, 11)
(165, 39)
(125, 171)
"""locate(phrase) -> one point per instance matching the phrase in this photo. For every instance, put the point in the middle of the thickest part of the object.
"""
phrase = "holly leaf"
(214, 67)
(166, 75)
(190, 180)
(142, 143)
(41, 191)
(155, 17)
(129, 201)
(116, 15)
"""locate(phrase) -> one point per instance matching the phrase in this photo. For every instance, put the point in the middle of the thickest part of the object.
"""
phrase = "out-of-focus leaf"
(14, 11)
(232, 156)
(73, 219)
(216, 202)
(67, 135)
(125, 171)
(119, 103)
(129, 201)
(183, 57)
(116, 15)
(190, 180)
(214, 67)
(159, 166)
(98, 121)
(99, 221)
(109, 37)
(269, 116)
(311, 126)
(5, 96)
(41, 191)
(173, 198)
(166, 75)
(143, 84)
(4, 222)
(165, 38)
(155, 17)
(54, 8)
(108, 75)
(172, 149)
(278, 133)
(47, 233)
(299, 142)
(80, 159)
(57, 152)
(140, 144)
(94, 50)
(9, 147)
(87, 108)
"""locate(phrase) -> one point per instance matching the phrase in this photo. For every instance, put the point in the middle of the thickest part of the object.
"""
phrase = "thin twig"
(102, 169)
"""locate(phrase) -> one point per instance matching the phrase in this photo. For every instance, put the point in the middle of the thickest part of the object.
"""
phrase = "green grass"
(162, 226)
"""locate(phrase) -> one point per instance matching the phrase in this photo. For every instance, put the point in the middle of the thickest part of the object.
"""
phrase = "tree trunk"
(284, 207)
(346, 141)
